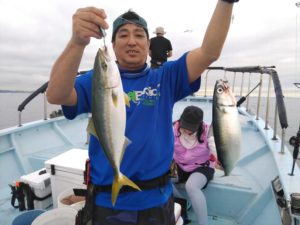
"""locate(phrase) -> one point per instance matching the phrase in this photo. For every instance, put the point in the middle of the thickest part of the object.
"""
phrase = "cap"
(191, 118)
(136, 19)
(159, 30)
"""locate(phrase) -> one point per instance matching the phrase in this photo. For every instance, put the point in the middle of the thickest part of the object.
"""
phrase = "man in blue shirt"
(152, 95)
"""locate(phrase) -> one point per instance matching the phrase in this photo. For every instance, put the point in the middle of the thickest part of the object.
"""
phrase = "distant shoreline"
(14, 91)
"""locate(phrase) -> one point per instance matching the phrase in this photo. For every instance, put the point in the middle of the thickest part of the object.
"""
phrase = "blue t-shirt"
(152, 94)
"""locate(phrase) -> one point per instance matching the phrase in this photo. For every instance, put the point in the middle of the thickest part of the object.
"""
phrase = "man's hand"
(86, 24)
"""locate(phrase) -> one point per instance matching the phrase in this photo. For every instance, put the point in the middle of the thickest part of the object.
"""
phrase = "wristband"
(230, 1)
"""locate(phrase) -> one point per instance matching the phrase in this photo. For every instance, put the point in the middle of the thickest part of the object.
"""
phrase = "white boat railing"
(40, 90)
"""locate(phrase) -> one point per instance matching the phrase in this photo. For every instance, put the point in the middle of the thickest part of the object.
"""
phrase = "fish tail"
(120, 181)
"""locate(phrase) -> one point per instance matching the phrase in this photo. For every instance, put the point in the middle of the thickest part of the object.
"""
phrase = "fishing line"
(103, 34)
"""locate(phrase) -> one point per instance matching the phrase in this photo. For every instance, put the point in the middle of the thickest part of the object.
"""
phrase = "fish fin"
(127, 99)
(125, 144)
(114, 96)
(120, 181)
(91, 128)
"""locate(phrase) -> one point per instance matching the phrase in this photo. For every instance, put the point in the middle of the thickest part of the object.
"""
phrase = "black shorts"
(161, 215)
(208, 172)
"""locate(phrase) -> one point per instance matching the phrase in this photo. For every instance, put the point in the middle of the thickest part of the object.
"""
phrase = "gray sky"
(34, 32)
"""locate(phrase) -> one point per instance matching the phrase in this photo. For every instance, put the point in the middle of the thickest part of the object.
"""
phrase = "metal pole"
(45, 106)
(233, 85)
(249, 83)
(224, 76)
(268, 105)
(242, 84)
(259, 96)
(206, 84)
(20, 118)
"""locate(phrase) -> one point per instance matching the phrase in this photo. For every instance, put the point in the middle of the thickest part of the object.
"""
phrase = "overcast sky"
(34, 32)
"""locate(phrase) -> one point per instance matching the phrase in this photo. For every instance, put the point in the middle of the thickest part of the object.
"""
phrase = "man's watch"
(230, 1)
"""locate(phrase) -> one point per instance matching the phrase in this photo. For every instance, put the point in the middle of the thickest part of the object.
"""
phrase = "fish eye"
(220, 90)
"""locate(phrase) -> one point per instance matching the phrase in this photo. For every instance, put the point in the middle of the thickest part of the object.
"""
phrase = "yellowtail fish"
(226, 126)
(109, 116)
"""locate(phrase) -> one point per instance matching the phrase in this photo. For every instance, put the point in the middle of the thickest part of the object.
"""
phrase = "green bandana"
(120, 21)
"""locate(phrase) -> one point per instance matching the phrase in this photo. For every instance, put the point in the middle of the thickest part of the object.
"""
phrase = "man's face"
(131, 46)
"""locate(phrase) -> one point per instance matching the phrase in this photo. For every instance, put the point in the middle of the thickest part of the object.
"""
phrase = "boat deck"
(244, 197)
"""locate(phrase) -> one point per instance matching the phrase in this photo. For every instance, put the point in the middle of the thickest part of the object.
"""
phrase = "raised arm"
(200, 58)
(86, 23)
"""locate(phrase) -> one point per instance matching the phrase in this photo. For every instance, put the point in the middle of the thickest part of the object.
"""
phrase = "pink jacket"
(191, 159)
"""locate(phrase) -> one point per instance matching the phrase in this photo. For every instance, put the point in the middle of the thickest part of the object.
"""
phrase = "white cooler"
(66, 171)
(39, 181)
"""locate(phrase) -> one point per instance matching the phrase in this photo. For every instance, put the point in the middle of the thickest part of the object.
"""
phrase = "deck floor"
(245, 194)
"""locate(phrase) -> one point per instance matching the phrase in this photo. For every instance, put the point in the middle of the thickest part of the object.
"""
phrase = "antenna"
(297, 4)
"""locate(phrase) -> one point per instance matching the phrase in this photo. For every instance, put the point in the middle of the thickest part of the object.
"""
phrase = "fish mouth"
(105, 55)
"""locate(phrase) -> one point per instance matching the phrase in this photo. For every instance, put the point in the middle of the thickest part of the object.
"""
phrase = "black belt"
(157, 182)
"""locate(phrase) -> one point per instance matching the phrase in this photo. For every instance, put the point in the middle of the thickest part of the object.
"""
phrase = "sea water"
(34, 110)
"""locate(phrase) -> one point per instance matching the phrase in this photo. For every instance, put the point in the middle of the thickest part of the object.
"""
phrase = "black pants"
(161, 215)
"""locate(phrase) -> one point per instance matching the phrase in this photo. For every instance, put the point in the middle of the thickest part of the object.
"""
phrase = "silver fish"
(226, 126)
(109, 116)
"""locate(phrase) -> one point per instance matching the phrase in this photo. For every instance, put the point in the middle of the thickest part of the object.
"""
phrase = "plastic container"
(68, 199)
(39, 181)
(58, 216)
(66, 171)
(27, 217)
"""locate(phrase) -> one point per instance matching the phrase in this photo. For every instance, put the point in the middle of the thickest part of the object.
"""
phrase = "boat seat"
(227, 191)
(234, 180)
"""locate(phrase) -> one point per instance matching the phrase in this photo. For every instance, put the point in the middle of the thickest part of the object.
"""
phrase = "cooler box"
(66, 171)
(39, 181)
